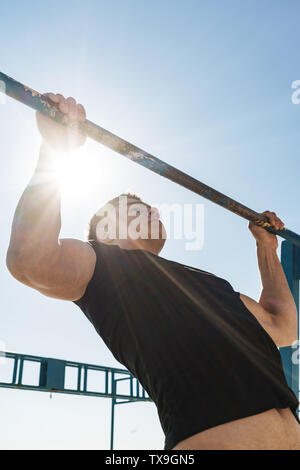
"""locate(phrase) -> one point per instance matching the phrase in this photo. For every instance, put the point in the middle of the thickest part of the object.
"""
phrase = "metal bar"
(131, 385)
(79, 378)
(37, 388)
(112, 423)
(113, 401)
(106, 381)
(21, 371)
(43, 383)
(14, 377)
(85, 376)
(127, 401)
(43, 373)
(41, 103)
(290, 259)
(121, 402)
(28, 357)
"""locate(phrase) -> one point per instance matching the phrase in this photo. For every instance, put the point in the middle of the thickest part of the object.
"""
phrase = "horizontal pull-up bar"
(42, 104)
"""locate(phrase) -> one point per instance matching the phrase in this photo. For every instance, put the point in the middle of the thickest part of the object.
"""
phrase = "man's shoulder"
(78, 248)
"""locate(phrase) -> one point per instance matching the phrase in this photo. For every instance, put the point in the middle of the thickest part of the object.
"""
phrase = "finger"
(268, 213)
(276, 222)
(279, 223)
(271, 217)
(52, 97)
(59, 100)
(62, 103)
(72, 112)
(81, 113)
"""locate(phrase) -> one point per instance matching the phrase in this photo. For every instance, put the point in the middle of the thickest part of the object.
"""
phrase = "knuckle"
(51, 96)
(71, 100)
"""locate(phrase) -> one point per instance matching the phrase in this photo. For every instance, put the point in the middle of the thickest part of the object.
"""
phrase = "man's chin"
(154, 245)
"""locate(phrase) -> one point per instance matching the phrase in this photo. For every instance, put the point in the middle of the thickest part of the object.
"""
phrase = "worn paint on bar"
(40, 103)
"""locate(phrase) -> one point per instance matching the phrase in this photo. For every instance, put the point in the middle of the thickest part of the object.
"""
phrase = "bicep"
(262, 316)
(66, 276)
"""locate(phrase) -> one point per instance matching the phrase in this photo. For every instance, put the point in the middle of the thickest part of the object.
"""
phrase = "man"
(207, 355)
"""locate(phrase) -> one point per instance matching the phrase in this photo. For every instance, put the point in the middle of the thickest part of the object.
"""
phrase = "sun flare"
(73, 172)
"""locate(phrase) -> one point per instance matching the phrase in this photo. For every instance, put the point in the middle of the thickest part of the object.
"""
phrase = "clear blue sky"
(204, 85)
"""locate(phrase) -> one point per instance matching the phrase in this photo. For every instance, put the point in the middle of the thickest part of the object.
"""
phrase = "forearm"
(276, 296)
(37, 220)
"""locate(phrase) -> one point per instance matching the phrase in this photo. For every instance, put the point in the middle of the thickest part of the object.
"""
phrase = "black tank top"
(184, 333)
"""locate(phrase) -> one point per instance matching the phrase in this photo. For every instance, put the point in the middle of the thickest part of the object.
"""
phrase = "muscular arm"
(276, 296)
(37, 221)
(276, 309)
(36, 256)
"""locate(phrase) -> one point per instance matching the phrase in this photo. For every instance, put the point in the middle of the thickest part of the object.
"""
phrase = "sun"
(73, 172)
(86, 174)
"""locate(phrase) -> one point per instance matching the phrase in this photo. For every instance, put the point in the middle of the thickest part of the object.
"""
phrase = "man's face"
(138, 224)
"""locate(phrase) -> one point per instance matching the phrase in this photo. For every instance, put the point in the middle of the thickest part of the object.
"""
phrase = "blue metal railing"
(290, 260)
(52, 378)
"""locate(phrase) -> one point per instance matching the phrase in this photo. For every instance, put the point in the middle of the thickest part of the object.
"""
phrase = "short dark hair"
(92, 225)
